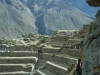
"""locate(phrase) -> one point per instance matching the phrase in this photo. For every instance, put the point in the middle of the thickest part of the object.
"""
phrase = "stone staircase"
(59, 59)
(55, 60)
(56, 63)
(17, 62)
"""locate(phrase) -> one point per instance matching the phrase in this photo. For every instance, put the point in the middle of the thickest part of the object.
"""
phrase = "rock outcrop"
(91, 52)
(93, 2)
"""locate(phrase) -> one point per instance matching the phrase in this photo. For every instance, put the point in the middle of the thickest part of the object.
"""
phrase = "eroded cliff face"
(91, 51)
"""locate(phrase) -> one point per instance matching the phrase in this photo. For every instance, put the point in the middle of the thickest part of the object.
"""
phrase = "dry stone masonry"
(40, 55)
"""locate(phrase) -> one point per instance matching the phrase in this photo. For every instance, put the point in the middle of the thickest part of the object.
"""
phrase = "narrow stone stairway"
(57, 63)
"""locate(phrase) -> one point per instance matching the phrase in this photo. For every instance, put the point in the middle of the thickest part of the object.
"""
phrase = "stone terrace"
(60, 58)
(54, 55)
(15, 63)
(56, 63)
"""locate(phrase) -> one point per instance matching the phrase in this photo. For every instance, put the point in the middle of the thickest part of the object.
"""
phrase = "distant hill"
(19, 17)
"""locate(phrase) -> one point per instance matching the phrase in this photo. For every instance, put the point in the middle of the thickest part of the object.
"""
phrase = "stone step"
(15, 73)
(56, 46)
(18, 54)
(44, 72)
(56, 68)
(72, 66)
(60, 64)
(50, 50)
(18, 60)
(48, 56)
(65, 59)
(16, 67)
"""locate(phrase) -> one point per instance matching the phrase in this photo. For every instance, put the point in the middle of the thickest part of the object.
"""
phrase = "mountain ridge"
(39, 16)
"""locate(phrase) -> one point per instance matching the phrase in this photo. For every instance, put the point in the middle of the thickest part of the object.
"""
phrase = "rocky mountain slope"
(19, 17)
(15, 18)
(91, 51)
(57, 14)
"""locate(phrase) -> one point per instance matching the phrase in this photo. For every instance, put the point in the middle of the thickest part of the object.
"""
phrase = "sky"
(83, 6)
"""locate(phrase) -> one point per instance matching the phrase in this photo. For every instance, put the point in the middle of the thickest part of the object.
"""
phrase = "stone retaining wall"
(16, 48)
(60, 40)
(17, 54)
(47, 56)
(17, 60)
(65, 60)
(50, 50)
(56, 70)
(72, 52)
(13, 68)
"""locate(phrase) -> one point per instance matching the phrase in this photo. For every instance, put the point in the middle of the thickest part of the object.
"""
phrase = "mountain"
(84, 7)
(16, 19)
(57, 14)
(19, 17)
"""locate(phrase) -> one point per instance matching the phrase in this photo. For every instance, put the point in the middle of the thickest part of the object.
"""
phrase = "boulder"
(93, 2)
